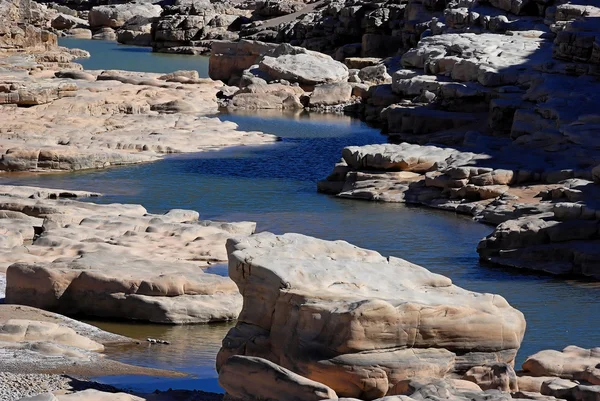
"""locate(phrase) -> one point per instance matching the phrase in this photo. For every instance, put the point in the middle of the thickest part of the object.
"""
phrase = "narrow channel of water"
(275, 185)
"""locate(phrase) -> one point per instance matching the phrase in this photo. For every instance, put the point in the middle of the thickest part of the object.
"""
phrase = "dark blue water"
(275, 185)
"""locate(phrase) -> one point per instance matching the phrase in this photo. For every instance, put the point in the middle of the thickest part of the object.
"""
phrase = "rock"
(246, 377)
(402, 157)
(293, 307)
(330, 94)
(124, 106)
(79, 33)
(308, 69)
(76, 265)
(136, 31)
(361, 62)
(498, 376)
(116, 15)
(376, 74)
(105, 34)
(64, 21)
(276, 8)
(572, 363)
(20, 330)
(228, 59)
(75, 75)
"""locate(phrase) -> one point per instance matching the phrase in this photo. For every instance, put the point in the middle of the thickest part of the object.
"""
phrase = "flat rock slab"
(112, 118)
(356, 321)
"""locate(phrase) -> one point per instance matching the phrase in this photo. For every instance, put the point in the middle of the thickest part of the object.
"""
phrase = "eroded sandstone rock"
(304, 299)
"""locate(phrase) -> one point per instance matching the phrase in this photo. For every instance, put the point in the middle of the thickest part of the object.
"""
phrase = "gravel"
(16, 386)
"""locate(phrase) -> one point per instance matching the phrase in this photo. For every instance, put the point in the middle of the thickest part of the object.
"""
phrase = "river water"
(275, 185)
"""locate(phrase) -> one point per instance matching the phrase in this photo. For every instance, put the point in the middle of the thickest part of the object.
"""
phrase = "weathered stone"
(304, 298)
(246, 377)
(330, 94)
(116, 15)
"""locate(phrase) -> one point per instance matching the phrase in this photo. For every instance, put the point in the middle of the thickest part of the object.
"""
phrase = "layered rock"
(328, 311)
(191, 27)
(140, 116)
(116, 261)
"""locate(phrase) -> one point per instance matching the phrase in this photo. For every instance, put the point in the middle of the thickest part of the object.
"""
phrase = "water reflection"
(107, 55)
(192, 349)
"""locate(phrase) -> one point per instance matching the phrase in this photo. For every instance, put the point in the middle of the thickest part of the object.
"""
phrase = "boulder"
(307, 69)
(246, 377)
(136, 31)
(572, 363)
(376, 74)
(116, 15)
(330, 94)
(228, 59)
(64, 21)
(79, 33)
(330, 312)
(105, 34)
(495, 376)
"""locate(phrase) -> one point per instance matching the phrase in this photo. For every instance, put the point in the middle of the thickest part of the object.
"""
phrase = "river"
(275, 185)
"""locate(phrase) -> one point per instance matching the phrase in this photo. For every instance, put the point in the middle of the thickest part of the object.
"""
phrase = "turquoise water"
(275, 185)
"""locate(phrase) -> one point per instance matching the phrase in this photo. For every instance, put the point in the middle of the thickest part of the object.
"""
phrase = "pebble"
(16, 386)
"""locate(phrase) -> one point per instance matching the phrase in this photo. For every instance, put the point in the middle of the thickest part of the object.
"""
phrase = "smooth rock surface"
(328, 311)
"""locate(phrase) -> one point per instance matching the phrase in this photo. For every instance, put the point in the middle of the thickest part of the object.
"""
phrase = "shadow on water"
(275, 185)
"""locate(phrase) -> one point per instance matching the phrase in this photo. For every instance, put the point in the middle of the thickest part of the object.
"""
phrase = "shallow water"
(107, 55)
(275, 185)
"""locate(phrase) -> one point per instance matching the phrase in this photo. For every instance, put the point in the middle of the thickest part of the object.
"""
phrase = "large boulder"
(136, 31)
(115, 15)
(573, 363)
(356, 321)
(307, 68)
(229, 59)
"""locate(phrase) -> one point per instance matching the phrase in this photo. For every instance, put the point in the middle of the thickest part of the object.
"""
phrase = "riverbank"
(108, 260)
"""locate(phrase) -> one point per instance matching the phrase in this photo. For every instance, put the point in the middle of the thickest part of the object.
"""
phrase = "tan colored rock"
(20, 330)
(573, 363)
(498, 376)
(247, 377)
(303, 296)
(330, 94)
(118, 261)
(103, 123)
(531, 383)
